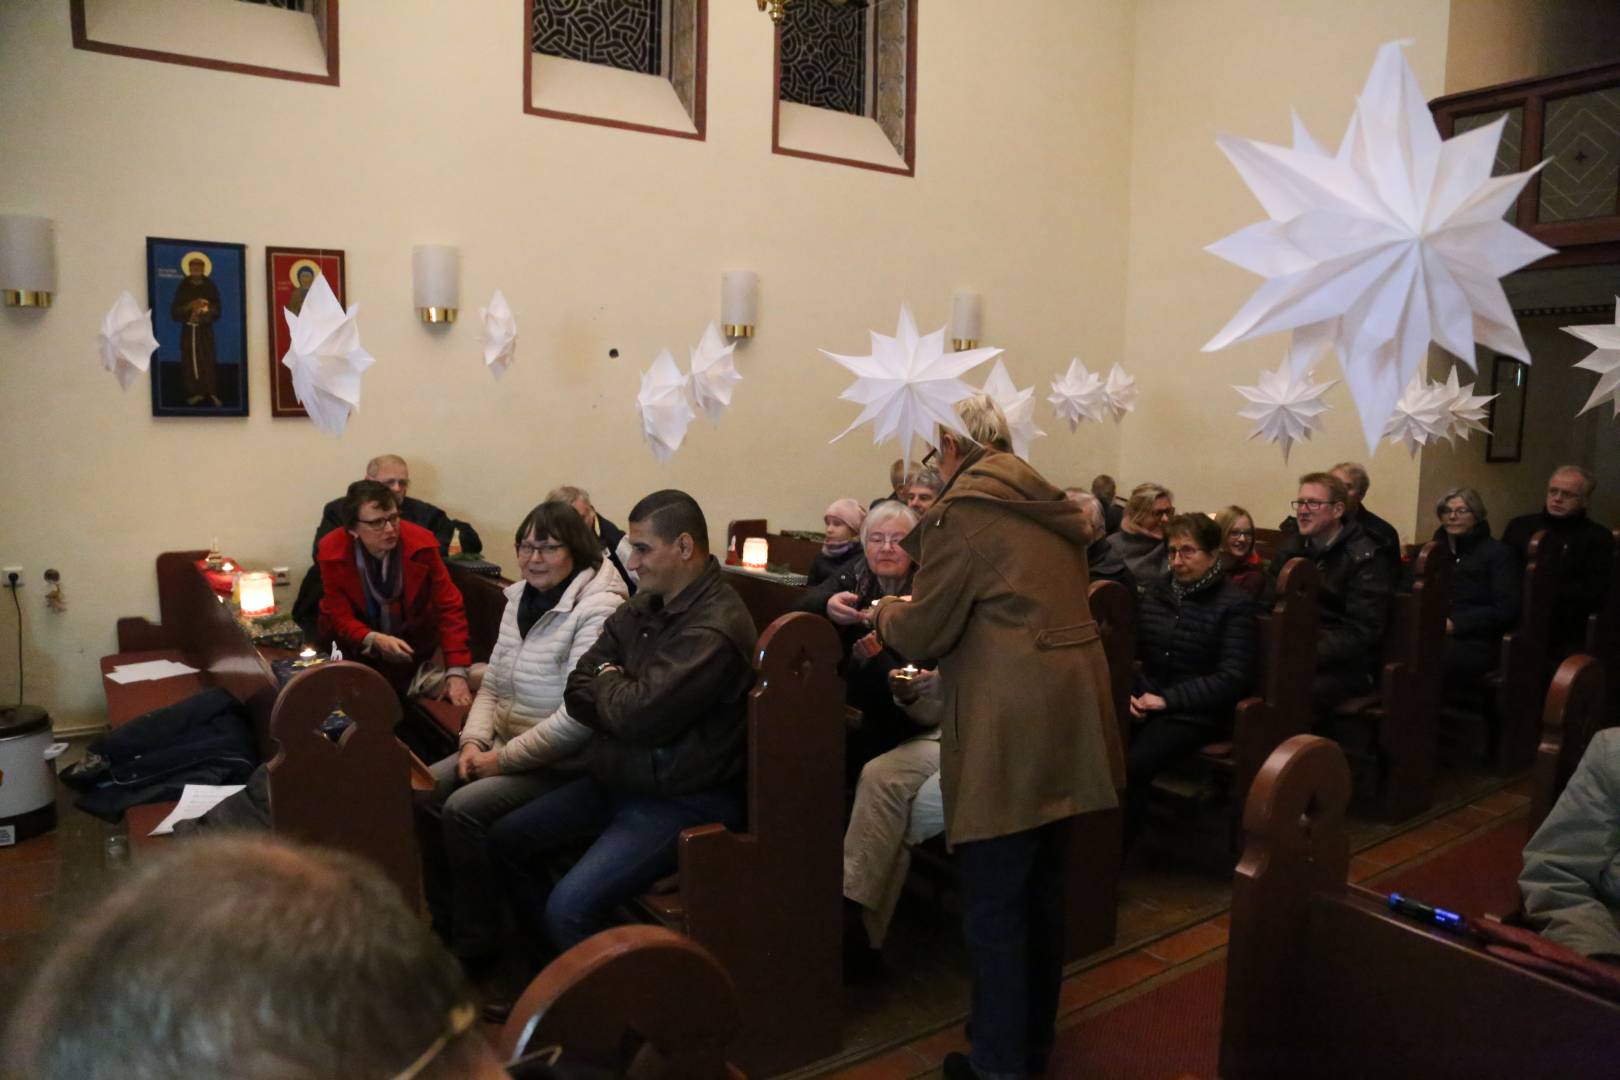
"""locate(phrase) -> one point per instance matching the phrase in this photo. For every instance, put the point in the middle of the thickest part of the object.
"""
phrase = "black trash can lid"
(23, 720)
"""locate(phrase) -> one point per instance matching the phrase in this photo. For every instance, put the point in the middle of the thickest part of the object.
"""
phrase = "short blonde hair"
(984, 422)
(1228, 517)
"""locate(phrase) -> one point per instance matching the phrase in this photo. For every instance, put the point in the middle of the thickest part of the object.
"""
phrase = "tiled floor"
(1104, 985)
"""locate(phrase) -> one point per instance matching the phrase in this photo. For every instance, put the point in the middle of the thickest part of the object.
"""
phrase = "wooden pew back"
(1114, 608)
(355, 794)
(1322, 980)
(484, 599)
(1603, 632)
(1526, 668)
(767, 901)
(1573, 713)
(624, 992)
(1411, 683)
(796, 553)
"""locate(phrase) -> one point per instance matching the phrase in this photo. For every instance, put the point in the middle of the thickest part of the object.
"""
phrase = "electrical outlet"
(11, 577)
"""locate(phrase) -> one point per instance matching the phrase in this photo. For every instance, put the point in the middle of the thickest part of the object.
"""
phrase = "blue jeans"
(633, 846)
(1012, 918)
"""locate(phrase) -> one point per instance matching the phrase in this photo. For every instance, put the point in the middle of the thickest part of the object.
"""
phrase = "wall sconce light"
(257, 593)
(966, 316)
(775, 8)
(756, 550)
(739, 303)
(436, 277)
(27, 260)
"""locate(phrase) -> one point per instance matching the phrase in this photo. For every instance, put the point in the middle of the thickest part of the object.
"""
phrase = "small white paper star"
(1285, 408)
(325, 357)
(665, 411)
(126, 343)
(1605, 361)
(714, 374)
(1079, 394)
(1421, 415)
(1465, 410)
(1018, 406)
(500, 334)
(909, 384)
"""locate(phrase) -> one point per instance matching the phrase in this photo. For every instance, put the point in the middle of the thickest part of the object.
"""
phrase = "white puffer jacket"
(519, 709)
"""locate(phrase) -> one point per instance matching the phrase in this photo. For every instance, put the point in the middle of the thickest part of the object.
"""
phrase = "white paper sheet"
(195, 801)
(149, 670)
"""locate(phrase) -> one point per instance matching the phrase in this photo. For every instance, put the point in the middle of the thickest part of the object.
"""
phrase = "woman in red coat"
(389, 600)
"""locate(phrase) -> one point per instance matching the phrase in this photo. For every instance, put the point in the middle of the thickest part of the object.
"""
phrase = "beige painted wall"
(600, 238)
(1237, 66)
(1498, 41)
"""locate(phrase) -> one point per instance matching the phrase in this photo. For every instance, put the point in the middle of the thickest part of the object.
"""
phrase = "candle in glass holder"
(755, 551)
(258, 593)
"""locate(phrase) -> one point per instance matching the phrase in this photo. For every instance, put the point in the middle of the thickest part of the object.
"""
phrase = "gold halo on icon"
(292, 272)
(186, 260)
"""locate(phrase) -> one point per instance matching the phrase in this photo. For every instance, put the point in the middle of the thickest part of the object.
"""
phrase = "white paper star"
(714, 374)
(1119, 393)
(1077, 395)
(500, 334)
(325, 357)
(126, 342)
(665, 411)
(1395, 241)
(1018, 406)
(1465, 410)
(1285, 408)
(1605, 361)
(909, 384)
(1421, 415)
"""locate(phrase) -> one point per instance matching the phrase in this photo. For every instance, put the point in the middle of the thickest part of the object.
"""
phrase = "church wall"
(600, 238)
(1237, 67)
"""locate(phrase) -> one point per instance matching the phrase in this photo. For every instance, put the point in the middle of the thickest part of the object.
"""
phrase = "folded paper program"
(126, 342)
(325, 358)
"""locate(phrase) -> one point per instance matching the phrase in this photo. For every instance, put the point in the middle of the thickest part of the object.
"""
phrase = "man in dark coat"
(1588, 553)
(665, 688)
(1354, 477)
(614, 545)
(196, 308)
(1357, 585)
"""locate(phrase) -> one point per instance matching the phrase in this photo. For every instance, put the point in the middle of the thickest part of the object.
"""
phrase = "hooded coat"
(999, 599)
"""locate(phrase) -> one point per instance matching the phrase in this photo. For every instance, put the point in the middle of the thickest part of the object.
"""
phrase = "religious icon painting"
(288, 274)
(198, 293)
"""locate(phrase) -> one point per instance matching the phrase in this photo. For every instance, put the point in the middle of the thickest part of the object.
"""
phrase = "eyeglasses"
(1165, 514)
(527, 550)
(384, 522)
(1240, 532)
(929, 458)
(1455, 511)
(1310, 504)
(878, 540)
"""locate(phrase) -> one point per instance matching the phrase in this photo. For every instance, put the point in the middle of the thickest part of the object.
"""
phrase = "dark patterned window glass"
(1507, 150)
(1582, 139)
(824, 55)
(624, 34)
(286, 5)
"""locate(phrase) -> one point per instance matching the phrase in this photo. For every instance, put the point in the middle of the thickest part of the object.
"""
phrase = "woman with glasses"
(1140, 540)
(518, 725)
(1484, 591)
(1195, 639)
(1242, 563)
(389, 602)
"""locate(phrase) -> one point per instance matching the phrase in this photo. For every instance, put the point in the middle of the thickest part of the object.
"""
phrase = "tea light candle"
(307, 653)
(755, 550)
(258, 594)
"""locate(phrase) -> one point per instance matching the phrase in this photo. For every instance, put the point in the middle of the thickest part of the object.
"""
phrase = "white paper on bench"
(149, 670)
(194, 802)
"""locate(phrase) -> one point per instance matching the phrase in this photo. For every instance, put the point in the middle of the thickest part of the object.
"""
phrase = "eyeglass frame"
(379, 523)
(549, 548)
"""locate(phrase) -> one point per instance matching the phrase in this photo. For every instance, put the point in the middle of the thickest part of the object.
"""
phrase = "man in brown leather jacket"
(666, 689)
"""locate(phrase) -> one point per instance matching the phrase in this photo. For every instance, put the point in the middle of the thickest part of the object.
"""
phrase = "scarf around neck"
(1181, 592)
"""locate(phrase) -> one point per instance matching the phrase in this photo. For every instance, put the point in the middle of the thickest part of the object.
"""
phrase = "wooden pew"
(195, 628)
(484, 599)
(1603, 633)
(1322, 980)
(1520, 682)
(1573, 713)
(638, 1000)
(767, 902)
(1406, 710)
(1282, 707)
(793, 552)
(766, 599)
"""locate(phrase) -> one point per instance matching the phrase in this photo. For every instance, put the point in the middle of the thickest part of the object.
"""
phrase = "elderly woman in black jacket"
(1196, 643)
(1485, 593)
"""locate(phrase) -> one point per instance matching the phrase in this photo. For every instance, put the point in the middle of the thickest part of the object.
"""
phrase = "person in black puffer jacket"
(1485, 592)
(1196, 642)
(1582, 584)
(881, 570)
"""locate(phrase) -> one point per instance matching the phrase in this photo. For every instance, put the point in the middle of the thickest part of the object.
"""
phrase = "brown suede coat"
(999, 600)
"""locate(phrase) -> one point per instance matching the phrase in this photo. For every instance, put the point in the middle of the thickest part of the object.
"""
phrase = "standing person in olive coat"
(1029, 738)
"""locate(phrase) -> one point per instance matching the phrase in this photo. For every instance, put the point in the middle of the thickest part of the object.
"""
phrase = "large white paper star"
(126, 343)
(500, 334)
(665, 411)
(714, 374)
(1395, 241)
(1605, 361)
(1018, 406)
(1079, 395)
(1465, 410)
(1285, 408)
(325, 357)
(909, 384)
(1421, 415)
